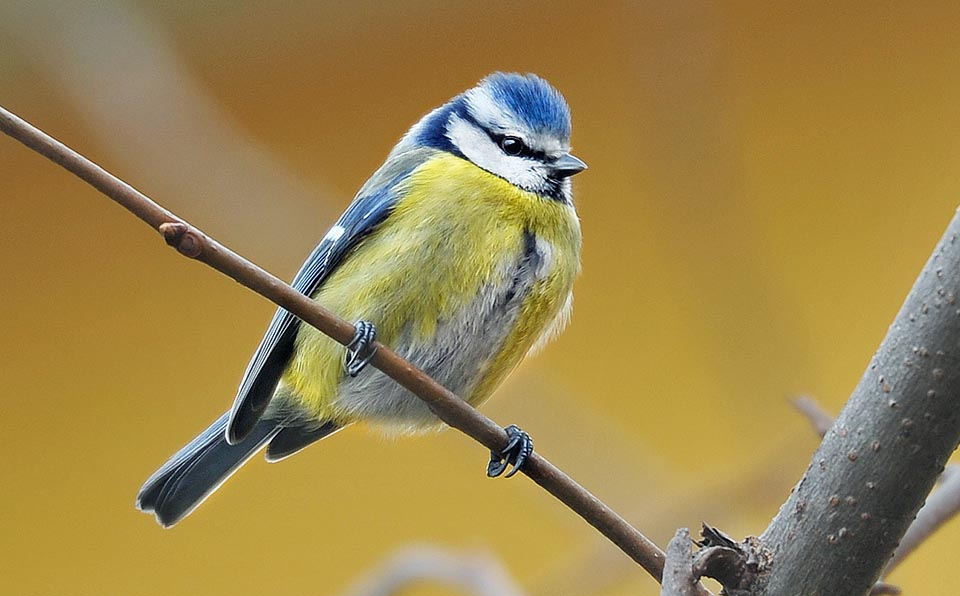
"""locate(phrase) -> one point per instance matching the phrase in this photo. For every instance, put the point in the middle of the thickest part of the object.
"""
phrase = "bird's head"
(514, 126)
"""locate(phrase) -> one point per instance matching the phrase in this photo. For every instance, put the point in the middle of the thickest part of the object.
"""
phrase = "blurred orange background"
(766, 181)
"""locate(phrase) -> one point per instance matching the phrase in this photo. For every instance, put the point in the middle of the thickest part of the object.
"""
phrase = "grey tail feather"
(194, 472)
(292, 439)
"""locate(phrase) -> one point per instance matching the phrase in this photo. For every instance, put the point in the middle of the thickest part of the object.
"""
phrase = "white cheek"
(479, 148)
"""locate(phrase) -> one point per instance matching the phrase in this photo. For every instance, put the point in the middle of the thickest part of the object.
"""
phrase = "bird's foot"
(515, 453)
(361, 349)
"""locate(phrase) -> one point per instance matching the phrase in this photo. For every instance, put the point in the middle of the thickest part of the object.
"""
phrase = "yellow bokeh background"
(766, 181)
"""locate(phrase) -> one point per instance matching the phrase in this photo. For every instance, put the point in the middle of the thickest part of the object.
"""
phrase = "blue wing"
(371, 206)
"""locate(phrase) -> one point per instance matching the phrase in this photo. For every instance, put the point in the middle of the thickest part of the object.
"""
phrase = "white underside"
(458, 356)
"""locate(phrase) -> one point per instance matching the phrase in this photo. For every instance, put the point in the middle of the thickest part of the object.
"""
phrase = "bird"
(459, 252)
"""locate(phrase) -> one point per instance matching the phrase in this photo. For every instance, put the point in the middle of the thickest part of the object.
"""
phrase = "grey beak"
(567, 165)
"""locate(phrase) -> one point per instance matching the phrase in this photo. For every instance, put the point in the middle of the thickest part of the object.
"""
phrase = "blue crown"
(533, 100)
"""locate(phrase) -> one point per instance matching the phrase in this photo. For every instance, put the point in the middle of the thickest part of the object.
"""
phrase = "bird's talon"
(360, 350)
(516, 452)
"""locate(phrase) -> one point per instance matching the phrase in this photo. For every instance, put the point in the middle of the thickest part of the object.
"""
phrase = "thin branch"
(601, 569)
(820, 419)
(478, 574)
(194, 244)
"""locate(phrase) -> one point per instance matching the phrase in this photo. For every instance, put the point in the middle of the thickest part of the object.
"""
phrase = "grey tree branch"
(943, 504)
(881, 457)
(193, 243)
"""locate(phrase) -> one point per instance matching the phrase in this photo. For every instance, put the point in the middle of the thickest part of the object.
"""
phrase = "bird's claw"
(361, 349)
(516, 452)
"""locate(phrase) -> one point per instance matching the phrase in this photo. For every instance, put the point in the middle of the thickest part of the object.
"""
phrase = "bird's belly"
(466, 349)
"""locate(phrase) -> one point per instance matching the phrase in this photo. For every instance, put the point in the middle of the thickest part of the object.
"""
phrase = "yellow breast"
(455, 232)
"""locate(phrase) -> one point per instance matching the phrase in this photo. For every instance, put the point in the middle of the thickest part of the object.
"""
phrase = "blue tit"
(460, 251)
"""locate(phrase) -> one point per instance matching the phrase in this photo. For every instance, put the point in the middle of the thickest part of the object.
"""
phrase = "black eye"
(512, 145)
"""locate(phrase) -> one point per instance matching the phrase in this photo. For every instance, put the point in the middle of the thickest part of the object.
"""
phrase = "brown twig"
(601, 570)
(193, 243)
